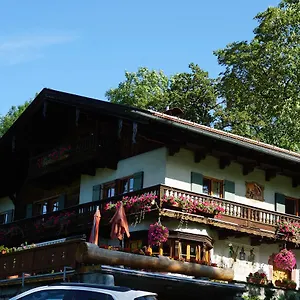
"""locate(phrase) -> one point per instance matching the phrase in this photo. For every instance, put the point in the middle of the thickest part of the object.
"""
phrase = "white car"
(82, 291)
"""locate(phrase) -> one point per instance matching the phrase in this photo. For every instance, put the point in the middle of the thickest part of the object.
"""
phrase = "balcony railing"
(78, 219)
(244, 216)
(70, 221)
(54, 158)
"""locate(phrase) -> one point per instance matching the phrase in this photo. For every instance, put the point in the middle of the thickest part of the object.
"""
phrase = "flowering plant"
(192, 205)
(57, 154)
(289, 229)
(143, 202)
(157, 234)
(285, 260)
(63, 219)
(257, 278)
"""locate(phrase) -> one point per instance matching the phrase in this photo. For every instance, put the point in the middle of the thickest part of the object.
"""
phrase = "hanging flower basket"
(284, 260)
(157, 234)
(288, 229)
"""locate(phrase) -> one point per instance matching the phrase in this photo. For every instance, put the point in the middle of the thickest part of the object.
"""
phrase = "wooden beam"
(88, 253)
(247, 169)
(173, 149)
(199, 155)
(269, 174)
(295, 182)
(224, 162)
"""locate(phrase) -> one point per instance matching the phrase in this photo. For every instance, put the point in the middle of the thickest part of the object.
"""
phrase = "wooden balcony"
(78, 219)
(69, 153)
(236, 216)
(48, 258)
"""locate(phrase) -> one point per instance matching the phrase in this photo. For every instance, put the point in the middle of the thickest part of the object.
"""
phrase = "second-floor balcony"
(168, 201)
(68, 153)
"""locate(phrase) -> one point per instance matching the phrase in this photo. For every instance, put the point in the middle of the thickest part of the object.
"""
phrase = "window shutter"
(10, 216)
(229, 189)
(97, 192)
(279, 202)
(196, 182)
(28, 210)
(61, 201)
(138, 181)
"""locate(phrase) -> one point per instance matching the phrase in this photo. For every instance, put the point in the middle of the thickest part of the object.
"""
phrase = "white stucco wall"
(180, 166)
(6, 204)
(152, 163)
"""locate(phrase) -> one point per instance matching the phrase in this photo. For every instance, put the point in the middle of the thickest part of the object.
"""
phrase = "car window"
(47, 295)
(146, 298)
(87, 295)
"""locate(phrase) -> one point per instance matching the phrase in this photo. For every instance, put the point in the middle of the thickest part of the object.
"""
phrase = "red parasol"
(95, 229)
(119, 224)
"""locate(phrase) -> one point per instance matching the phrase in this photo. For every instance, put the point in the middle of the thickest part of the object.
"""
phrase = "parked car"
(80, 291)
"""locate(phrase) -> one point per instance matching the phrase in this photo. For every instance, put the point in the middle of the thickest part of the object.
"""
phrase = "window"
(213, 187)
(118, 187)
(126, 185)
(3, 218)
(46, 206)
(48, 295)
(292, 206)
(146, 298)
(109, 189)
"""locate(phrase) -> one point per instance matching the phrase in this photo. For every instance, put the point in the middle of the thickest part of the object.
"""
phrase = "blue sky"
(84, 47)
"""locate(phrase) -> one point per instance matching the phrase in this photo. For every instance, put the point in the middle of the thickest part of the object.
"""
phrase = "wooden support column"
(161, 250)
(188, 251)
(177, 249)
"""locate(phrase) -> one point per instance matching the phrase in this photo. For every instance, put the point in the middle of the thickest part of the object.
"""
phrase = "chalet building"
(222, 197)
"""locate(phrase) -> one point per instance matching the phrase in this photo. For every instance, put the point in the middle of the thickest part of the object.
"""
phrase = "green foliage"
(261, 81)
(194, 92)
(144, 89)
(13, 114)
(289, 295)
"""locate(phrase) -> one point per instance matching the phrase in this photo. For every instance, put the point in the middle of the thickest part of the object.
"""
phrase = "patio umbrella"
(119, 224)
(95, 229)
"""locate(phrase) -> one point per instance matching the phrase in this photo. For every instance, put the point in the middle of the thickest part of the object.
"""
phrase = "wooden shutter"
(280, 202)
(97, 192)
(10, 216)
(229, 189)
(138, 181)
(196, 182)
(61, 201)
(28, 210)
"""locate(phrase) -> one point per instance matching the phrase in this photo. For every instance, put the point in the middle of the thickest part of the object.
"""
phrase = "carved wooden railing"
(237, 213)
(81, 219)
(245, 216)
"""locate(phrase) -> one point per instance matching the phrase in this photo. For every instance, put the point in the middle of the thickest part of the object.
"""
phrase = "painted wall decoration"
(254, 191)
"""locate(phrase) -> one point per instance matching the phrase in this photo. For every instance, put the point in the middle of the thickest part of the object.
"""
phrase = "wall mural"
(254, 191)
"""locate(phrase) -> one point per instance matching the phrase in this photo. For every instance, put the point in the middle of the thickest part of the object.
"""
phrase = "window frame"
(51, 201)
(212, 179)
(297, 205)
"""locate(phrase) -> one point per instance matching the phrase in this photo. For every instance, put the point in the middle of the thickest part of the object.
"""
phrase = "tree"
(193, 92)
(144, 89)
(261, 81)
(12, 115)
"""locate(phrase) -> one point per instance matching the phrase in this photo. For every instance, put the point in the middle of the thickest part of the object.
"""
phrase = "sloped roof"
(136, 114)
